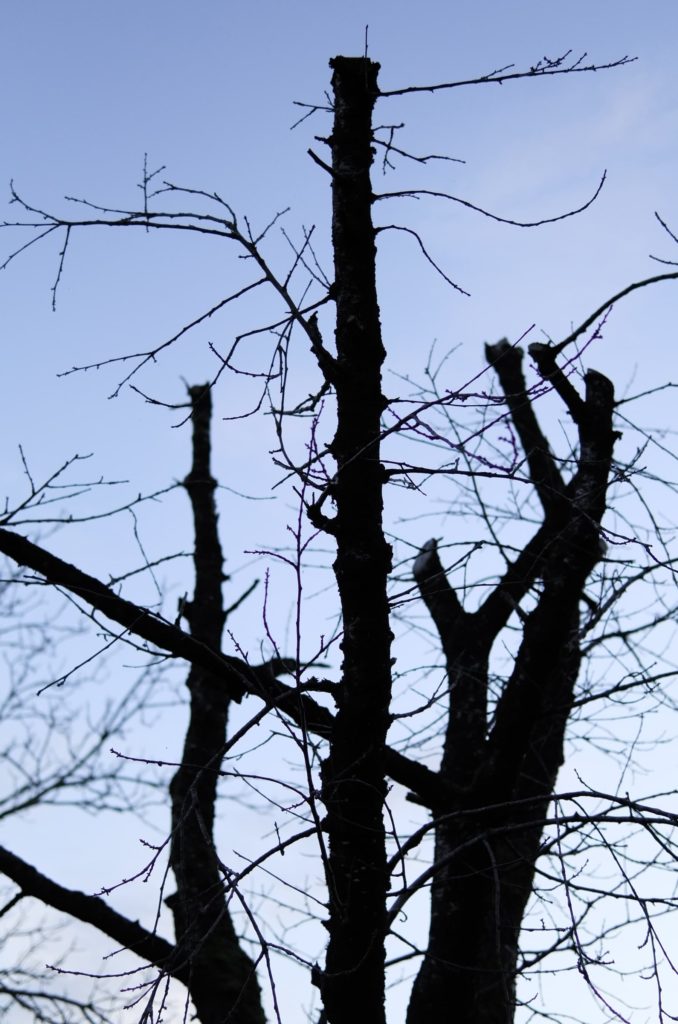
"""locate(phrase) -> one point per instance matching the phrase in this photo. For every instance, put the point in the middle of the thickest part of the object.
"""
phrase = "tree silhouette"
(524, 603)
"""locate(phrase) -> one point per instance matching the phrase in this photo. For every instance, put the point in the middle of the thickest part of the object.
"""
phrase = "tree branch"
(546, 66)
(557, 349)
(94, 911)
(506, 360)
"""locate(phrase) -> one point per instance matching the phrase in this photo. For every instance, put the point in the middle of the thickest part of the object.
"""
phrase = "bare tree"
(533, 629)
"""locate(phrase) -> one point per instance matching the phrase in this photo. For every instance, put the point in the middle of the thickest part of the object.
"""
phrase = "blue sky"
(207, 89)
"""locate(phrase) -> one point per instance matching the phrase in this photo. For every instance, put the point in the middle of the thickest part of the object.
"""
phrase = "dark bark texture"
(505, 770)
(354, 772)
(223, 982)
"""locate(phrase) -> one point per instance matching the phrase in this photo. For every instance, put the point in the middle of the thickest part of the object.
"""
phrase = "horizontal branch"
(415, 193)
(547, 66)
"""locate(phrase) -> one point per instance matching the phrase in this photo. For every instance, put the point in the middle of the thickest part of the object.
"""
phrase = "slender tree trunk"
(353, 774)
(222, 980)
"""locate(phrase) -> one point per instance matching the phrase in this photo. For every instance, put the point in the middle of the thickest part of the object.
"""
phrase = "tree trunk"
(223, 983)
(353, 774)
(487, 842)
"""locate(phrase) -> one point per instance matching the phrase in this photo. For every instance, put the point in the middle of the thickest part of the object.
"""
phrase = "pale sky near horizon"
(87, 87)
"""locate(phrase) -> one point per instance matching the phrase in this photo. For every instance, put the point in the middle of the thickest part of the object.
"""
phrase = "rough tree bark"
(223, 982)
(487, 841)
(353, 778)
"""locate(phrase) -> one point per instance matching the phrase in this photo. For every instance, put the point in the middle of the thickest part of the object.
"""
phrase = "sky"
(207, 90)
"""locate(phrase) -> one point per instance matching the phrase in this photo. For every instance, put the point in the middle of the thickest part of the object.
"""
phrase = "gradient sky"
(87, 87)
(207, 91)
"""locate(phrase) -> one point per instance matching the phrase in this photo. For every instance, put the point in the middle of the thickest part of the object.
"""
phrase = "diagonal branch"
(531, 712)
(557, 349)
(506, 360)
(466, 651)
(238, 676)
(94, 911)
(439, 597)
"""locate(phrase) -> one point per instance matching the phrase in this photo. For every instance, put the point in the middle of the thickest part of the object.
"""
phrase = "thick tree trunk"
(504, 775)
(222, 980)
(353, 774)
(487, 860)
